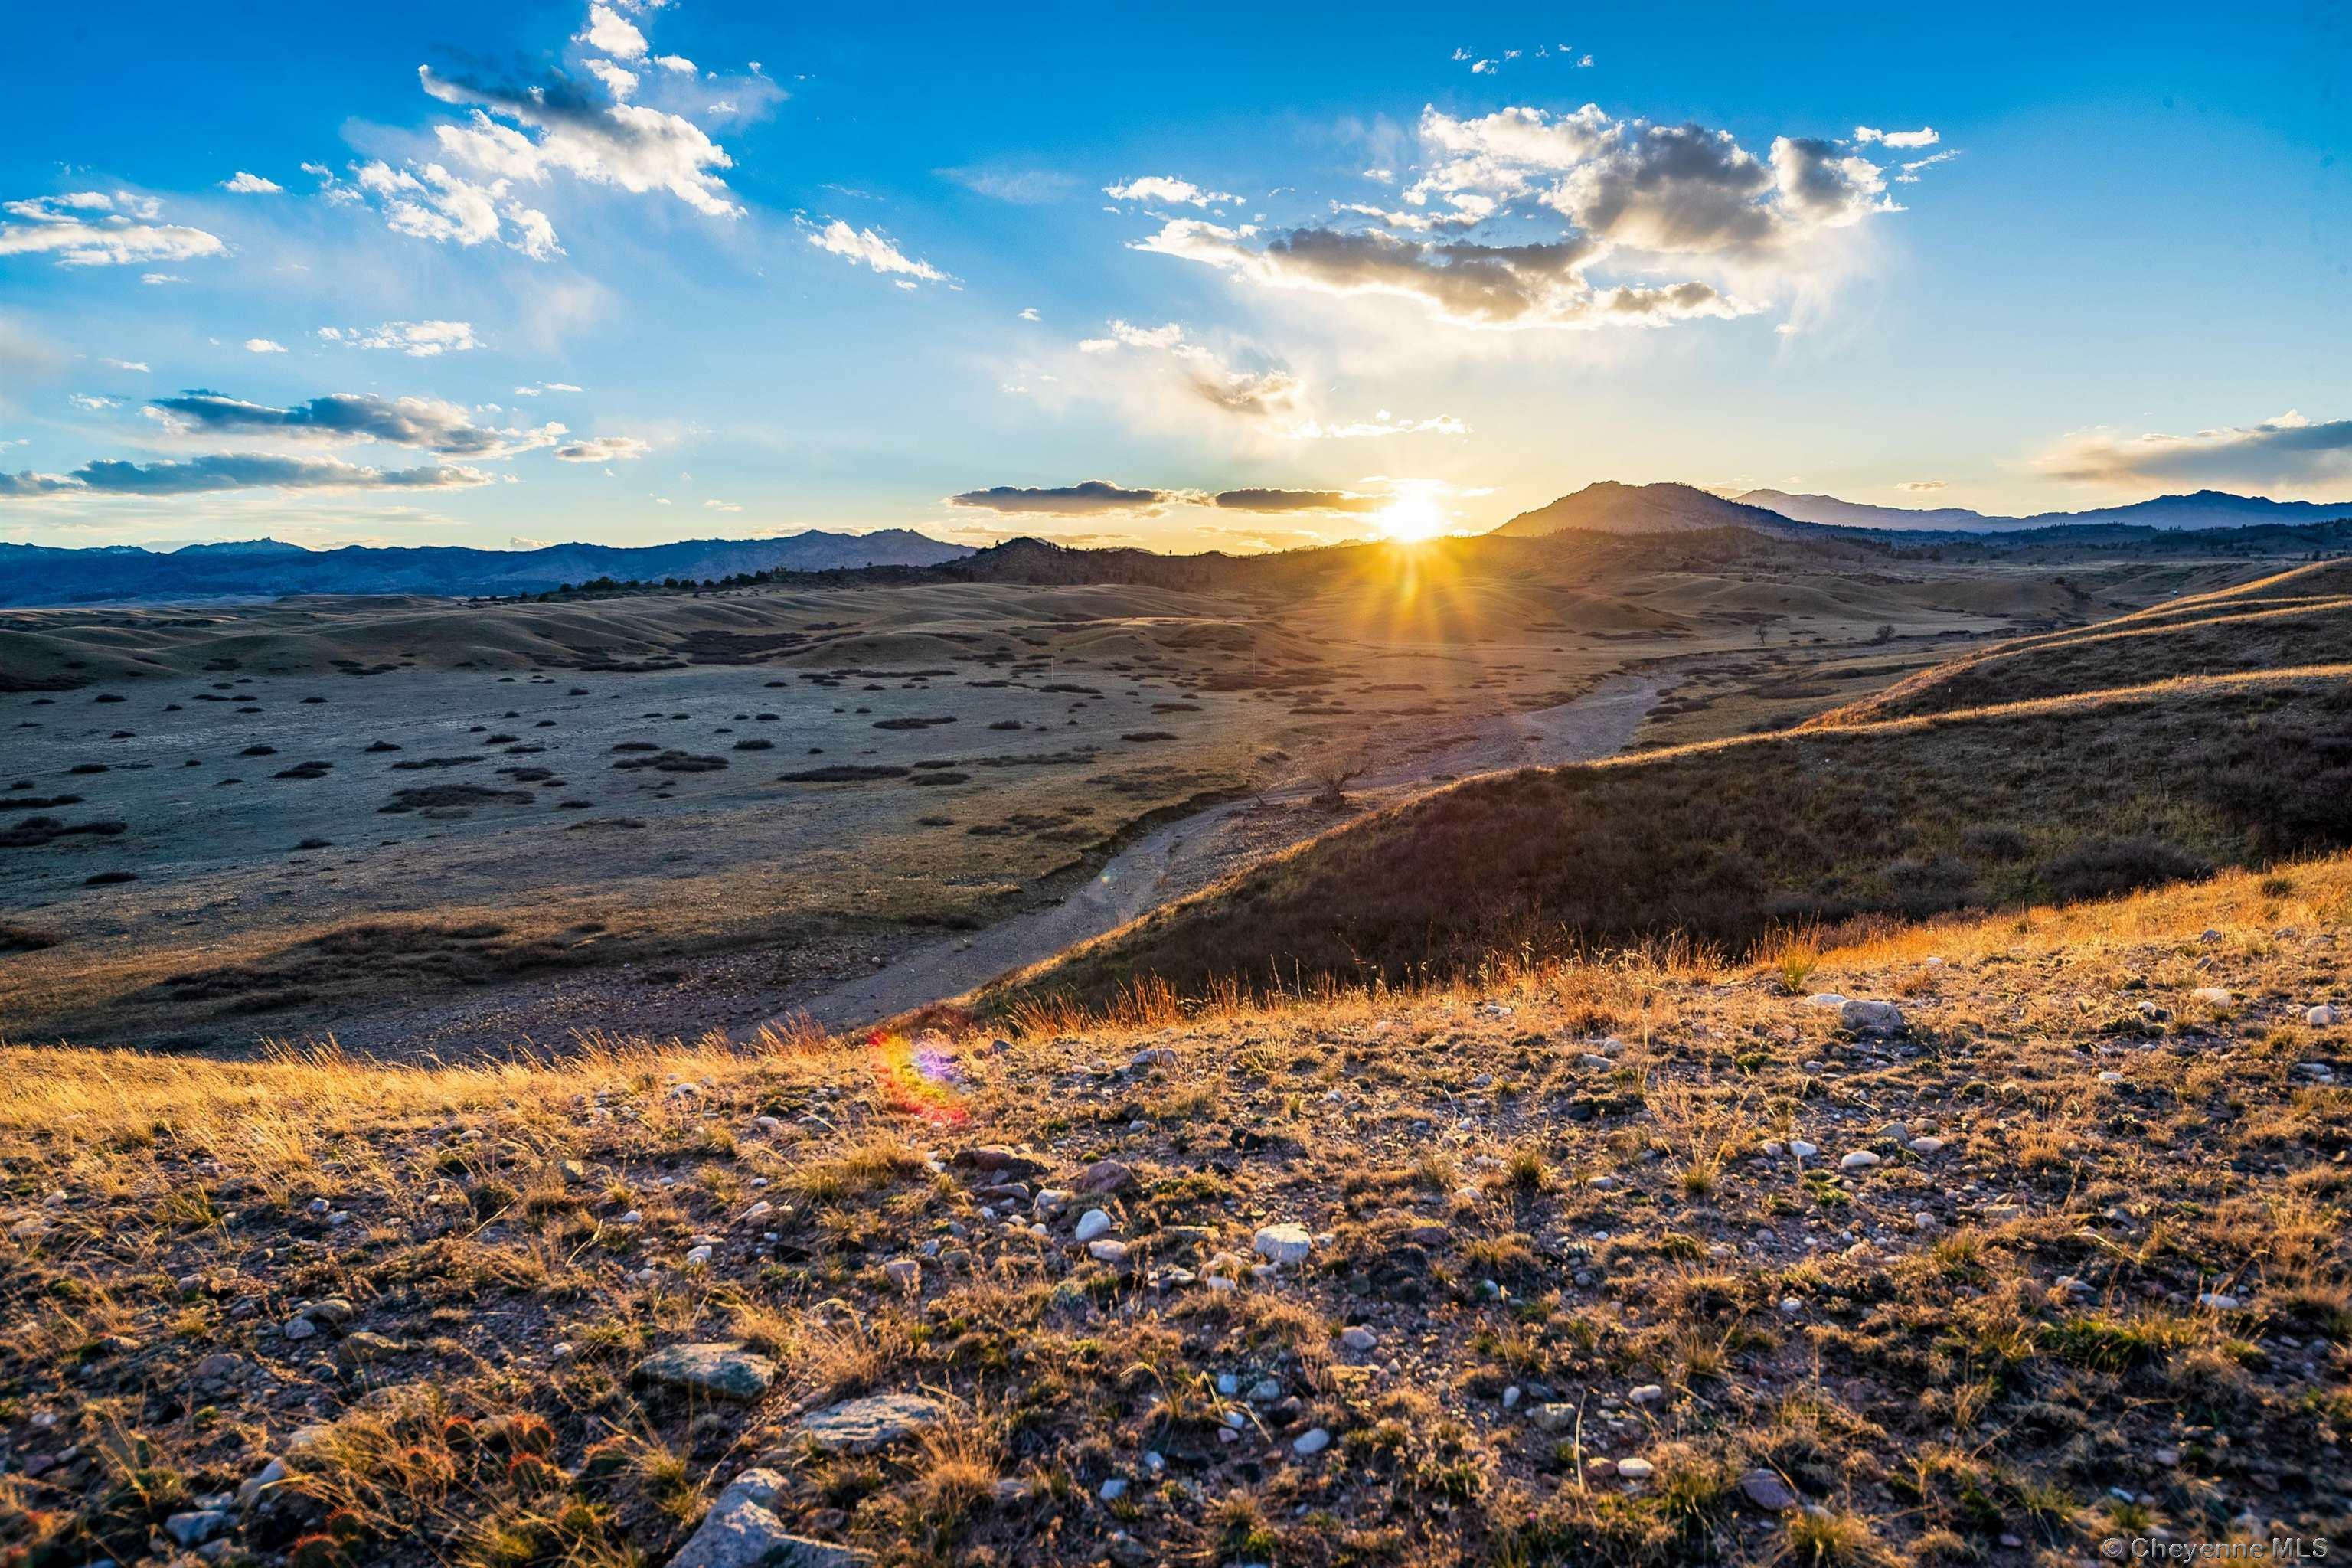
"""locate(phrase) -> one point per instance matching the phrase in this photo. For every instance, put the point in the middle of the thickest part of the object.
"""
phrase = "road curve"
(1178, 857)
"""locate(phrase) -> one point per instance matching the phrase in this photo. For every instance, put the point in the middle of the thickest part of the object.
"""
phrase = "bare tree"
(1333, 769)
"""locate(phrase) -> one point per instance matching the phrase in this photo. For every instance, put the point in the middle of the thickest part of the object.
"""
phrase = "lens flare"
(920, 1075)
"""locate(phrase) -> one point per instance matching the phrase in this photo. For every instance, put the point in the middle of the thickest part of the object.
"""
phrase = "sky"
(1191, 277)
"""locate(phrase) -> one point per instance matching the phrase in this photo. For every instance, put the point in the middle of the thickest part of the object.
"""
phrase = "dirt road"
(1183, 856)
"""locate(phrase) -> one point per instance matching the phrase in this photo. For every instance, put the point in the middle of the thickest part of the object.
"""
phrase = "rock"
(1113, 1489)
(1312, 1441)
(1802, 1149)
(1280, 1244)
(1648, 1394)
(261, 1480)
(876, 1421)
(2213, 995)
(1860, 1160)
(1553, 1417)
(1356, 1337)
(300, 1329)
(217, 1367)
(2324, 1016)
(905, 1273)
(1092, 1224)
(1765, 1489)
(360, 1349)
(742, 1531)
(1104, 1177)
(196, 1527)
(997, 1159)
(1151, 1057)
(1825, 999)
(1926, 1146)
(1636, 1470)
(724, 1371)
(1871, 1017)
(695, 1256)
(334, 1311)
(1111, 1252)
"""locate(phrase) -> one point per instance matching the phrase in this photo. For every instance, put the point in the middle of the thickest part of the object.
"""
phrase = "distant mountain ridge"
(2201, 509)
(33, 574)
(1609, 506)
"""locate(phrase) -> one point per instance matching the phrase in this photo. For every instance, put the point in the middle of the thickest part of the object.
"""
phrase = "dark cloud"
(235, 471)
(1083, 499)
(424, 423)
(1299, 500)
(2288, 450)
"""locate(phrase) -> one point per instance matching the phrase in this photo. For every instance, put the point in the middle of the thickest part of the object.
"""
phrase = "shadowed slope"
(2060, 799)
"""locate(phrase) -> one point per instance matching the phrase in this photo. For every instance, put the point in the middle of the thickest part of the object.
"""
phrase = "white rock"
(1648, 1394)
(1092, 1224)
(2214, 994)
(1280, 1244)
(1860, 1160)
(2324, 1016)
(1314, 1440)
(1107, 1251)
(1802, 1149)
(1872, 1018)
(697, 1256)
(1926, 1146)
(1636, 1470)
(1356, 1337)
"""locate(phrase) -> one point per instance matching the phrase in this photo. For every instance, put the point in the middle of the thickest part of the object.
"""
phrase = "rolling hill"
(2194, 761)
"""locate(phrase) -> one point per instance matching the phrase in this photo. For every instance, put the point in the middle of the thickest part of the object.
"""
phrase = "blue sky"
(1196, 277)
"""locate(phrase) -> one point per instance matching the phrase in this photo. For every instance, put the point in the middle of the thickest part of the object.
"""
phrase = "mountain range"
(38, 574)
(2204, 509)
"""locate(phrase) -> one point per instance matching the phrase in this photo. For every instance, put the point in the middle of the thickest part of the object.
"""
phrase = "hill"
(2297, 617)
(1638, 1263)
(2083, 790)
(2201, 509)
(1608, 507)
(38, 574)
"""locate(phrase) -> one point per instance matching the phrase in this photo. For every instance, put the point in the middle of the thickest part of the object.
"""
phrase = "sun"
(1411, 519)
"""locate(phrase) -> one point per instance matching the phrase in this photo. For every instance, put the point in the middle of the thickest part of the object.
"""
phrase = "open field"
(422, 826)
(1645, 1261)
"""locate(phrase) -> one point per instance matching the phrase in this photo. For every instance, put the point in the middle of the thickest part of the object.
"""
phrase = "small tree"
(1333, 770)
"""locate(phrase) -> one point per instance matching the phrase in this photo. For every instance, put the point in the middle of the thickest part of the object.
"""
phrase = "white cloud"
(1166, 188)
(1250, 392)
(614, 33)
(136, 364)
(619, 80)
(90, 228)
(543, 387)
(245, 184)
(1383, 423)
(85, 400)
(1030, 315)
(418, 339)
(717, 506)
(154, 277)
(1925, 136)
(675, 63)
(263, 346)
(1922, 486)
(603, 450)
(863, 246)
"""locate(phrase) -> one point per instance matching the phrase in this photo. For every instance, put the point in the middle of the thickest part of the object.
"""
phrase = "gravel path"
(1183, 856)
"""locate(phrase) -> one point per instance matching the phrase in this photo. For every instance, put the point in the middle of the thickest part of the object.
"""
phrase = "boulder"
(721, 1371)
(876, 1421)
(1871, 1017)
(742, 1531)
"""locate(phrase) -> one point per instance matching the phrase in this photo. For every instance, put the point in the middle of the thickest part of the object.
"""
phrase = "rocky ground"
(1979, 1241)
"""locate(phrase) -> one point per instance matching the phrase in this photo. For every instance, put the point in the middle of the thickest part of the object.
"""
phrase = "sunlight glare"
(1410, 519)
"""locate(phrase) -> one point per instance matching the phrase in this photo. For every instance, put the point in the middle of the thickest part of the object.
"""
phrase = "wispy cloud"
(418, 339)
(93, 228)
(233, 471)
(866, 246)
(2286, 452)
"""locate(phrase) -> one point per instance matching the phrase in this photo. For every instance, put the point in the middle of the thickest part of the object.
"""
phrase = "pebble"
(1314, 1440)
(1092, 1224)
(1357, 1338)
(1636, 1470)
(1765, 1489)
(1648, 1394)
(1111, 1252)
(1802, 1149)
(1860, 1160)
(2324, 1016)
(905, 1273)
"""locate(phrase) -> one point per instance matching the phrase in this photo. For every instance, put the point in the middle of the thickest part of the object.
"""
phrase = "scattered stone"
(1877, 1018)
(1104, 1177)
(1357, 1338)
(2324, 1016)
(1635, 1469)
(1648, 1394)
(1092, 1224)
(722, 1371)
(876, 1421)
(742, 1531)
(1860, 1160)
(905, 1273)
(1768, 1490)
(1312, 1441)
(195, 1528)
(1280, 1244)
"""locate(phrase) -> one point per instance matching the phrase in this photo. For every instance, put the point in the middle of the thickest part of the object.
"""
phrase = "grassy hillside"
(2296, 617)
(2064, 798)
(1641, 1263)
